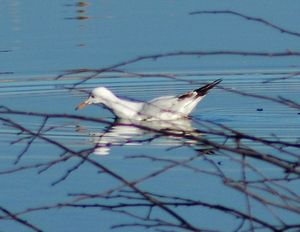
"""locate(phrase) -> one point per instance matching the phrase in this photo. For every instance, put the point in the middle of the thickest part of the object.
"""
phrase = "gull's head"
(98, 95)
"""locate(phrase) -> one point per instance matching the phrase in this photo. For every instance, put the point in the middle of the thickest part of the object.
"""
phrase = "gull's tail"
(204, 89)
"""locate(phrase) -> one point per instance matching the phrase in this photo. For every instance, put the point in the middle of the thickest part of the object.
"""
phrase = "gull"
(161, 108)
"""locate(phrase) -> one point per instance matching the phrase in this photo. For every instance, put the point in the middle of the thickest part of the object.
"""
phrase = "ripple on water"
(239, 112)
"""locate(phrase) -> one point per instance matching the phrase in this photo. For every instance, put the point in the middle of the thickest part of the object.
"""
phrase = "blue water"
(41, 40)
(53, 38)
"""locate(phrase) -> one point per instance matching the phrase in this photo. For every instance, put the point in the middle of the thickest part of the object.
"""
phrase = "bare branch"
(20, 220)
(247, 17)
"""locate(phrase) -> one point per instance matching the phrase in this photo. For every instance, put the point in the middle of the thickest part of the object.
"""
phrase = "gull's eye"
(92, 96)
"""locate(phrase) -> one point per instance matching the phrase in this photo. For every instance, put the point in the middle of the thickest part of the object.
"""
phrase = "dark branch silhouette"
(19, 220)
(214, 148)
(155, 57)
(247, 17)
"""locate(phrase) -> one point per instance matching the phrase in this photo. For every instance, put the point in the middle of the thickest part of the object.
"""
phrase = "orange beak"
(82, 105)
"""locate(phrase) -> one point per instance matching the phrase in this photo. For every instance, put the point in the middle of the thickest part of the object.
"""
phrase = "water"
(165, 164)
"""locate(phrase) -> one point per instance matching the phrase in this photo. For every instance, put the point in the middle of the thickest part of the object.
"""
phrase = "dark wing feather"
(204, 89)
(186, 95)
(200, 92)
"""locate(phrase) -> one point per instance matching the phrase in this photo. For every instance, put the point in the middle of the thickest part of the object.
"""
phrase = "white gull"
(161, 108)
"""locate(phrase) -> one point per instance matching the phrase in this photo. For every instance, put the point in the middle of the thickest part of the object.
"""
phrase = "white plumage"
(161, 108)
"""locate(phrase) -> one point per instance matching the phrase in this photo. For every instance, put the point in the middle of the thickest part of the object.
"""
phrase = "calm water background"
(42, 39)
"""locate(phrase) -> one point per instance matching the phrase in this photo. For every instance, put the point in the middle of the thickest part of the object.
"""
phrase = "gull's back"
(175, 107)
(169, 108)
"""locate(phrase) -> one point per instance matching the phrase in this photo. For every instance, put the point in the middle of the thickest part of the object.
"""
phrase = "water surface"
(61, 36)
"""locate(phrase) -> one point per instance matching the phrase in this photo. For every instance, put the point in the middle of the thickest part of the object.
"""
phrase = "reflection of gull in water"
(127, 132)
(162, 108)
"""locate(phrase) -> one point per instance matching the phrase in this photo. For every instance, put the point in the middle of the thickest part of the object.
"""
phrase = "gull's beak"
(83, 104)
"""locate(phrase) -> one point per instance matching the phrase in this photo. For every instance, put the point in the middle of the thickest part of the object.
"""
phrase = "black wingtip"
(204, 89)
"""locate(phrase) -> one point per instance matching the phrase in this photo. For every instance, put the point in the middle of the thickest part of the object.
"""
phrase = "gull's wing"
(200, 92)
(168, 107)
(172, 107)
